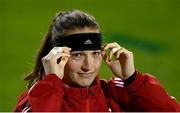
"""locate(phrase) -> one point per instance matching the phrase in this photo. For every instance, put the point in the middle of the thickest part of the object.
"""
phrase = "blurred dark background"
(149, 28)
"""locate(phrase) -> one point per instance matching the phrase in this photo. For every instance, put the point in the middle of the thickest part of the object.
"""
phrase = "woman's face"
(83, 66)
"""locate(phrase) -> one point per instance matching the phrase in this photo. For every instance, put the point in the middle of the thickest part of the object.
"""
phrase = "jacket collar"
(93, 90)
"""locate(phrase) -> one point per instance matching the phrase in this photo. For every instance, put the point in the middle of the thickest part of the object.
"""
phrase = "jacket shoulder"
(21, 100)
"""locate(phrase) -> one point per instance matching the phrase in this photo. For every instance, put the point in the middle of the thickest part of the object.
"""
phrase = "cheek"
(97, 62)
(72, 66)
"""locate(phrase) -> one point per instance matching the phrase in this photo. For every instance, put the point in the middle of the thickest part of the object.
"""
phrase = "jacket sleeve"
(145, 93)
(44, 95)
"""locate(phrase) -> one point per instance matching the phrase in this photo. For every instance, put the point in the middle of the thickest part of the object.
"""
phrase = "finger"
(43, 59)
(66, 48)
(128, 53)
(55, 50)
(124, 53)
(105, 57)
(59, 57)
(66, 51)
(46, 58)
(120, 51)
(50, 54)
(103, 53)
(111, 54)
(111, 45)
(63, 61)
(113, 51)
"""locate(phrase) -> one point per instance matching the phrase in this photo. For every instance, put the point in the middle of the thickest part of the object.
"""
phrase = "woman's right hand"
(56, 60)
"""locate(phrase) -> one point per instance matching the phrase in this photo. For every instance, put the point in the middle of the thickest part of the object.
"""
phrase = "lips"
(86, 75)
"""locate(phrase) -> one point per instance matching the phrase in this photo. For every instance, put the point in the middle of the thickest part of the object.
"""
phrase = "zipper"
(88, 101)
(88, 104)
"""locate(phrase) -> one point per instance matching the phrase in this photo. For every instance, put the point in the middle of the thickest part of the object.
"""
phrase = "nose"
(87, 63)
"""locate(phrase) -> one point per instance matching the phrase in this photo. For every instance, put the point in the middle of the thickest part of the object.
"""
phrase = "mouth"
(86, 75)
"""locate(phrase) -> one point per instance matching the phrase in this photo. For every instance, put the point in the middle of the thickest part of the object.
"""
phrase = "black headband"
(80, 41)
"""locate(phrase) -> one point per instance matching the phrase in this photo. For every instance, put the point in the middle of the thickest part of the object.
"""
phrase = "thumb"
(61, 66)
(106, 58)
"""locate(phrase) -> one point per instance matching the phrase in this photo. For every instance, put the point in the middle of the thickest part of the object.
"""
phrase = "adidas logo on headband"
(80, 41)
(88, 42)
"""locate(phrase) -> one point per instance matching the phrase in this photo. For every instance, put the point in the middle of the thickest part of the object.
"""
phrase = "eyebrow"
(74, 52)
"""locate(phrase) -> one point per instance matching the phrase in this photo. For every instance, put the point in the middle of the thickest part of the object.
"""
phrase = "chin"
(86, 83)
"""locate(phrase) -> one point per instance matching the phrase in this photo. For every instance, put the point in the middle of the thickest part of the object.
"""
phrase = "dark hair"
(61, 24)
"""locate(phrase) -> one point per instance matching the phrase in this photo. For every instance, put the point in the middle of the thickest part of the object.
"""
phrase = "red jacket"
(144, 94)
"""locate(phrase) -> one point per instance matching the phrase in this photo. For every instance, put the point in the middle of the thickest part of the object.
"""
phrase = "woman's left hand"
(123, 64)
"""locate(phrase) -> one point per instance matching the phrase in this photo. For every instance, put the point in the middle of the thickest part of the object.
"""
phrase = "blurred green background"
(149, 28)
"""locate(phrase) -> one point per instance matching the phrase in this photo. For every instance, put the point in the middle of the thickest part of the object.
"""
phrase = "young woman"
(66, 74)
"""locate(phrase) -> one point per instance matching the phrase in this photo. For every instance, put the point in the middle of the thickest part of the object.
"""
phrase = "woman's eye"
(97, 53)
(76, 55)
